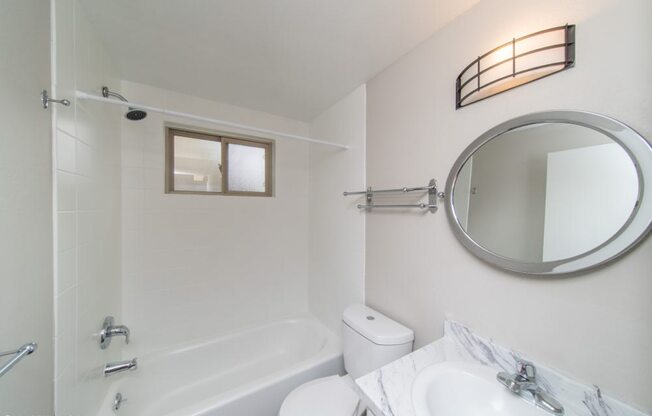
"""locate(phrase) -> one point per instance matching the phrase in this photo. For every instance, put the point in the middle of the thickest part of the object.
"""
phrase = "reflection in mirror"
(545, 192)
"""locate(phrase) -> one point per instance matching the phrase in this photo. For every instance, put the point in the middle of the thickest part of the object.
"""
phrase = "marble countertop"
(388, 390)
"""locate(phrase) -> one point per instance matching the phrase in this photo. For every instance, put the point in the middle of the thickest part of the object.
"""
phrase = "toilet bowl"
(370, 340)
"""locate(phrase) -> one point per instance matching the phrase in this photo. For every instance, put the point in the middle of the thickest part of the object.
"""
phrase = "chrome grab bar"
(21, 352)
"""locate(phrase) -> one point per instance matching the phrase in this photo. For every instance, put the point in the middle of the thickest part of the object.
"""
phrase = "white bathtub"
(248, 373)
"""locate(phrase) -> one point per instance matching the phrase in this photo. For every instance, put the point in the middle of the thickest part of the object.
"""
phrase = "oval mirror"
(552, 192)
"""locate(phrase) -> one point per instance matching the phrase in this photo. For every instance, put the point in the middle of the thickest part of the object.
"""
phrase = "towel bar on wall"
(431, 189)
(18, 355)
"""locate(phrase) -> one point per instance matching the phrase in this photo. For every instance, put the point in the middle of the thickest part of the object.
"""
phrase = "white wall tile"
(65, 330)
(89, 258)
(66, 153)
(66, 191)
(208, 264)
(67, 230)
(336, 225)
(66, 270)
(84, 159)
(133, 177)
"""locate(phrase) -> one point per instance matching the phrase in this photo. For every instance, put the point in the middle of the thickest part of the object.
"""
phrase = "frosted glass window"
(201, 163)
(246, 168)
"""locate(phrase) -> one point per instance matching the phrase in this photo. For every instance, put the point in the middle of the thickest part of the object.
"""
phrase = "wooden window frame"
(224, 140)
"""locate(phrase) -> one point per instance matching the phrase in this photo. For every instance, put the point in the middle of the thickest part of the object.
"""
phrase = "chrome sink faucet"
(110, 330)
(524, 383)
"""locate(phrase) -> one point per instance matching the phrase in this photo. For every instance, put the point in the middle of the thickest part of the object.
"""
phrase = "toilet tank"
(371, 340)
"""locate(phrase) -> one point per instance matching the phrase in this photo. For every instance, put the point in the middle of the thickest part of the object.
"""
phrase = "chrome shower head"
(133, 113)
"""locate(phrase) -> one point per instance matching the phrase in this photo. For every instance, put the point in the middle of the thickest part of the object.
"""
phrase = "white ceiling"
(293, 58)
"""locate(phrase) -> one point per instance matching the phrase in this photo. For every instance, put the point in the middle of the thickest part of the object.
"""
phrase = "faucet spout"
(523, 383)
(120, 366)
(508, 381)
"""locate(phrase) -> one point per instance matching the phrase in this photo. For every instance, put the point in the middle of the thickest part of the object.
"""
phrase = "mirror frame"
(635, 229)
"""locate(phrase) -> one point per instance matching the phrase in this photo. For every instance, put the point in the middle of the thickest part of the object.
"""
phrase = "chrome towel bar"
(422, 206)
(18, 354)
(431, 189)
(378, 191)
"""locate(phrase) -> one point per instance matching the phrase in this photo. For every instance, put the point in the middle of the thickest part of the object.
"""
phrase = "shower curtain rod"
(270, 133)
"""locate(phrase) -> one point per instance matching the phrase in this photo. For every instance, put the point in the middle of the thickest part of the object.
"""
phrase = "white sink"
(466, 389)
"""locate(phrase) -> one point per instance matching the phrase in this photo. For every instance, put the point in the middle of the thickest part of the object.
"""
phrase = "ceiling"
(293, 58)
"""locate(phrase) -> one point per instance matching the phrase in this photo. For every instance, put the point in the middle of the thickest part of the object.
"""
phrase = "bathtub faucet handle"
(109, 330)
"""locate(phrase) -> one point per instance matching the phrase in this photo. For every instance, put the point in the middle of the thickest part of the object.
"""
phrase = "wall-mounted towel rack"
(431, 189)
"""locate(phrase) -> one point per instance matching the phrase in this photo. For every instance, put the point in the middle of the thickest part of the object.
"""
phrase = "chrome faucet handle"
(109, 330)
(120, 330)
(526, 370)
(523, 383)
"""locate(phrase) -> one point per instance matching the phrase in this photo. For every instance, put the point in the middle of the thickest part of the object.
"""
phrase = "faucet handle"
(109, 330)
(124, 331)
(526, 369)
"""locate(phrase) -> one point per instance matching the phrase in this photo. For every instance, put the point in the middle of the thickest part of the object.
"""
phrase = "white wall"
(199, 265)
(594, 325)
(87, 174)
(336, 225)
(25, 207)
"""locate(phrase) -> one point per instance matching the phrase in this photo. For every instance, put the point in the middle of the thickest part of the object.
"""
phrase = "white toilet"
(370, 340)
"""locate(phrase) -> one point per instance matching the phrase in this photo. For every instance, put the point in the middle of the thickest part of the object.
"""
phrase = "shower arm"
(106, 93)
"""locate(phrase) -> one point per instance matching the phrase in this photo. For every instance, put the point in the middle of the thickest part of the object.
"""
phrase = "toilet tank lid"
(375, 326)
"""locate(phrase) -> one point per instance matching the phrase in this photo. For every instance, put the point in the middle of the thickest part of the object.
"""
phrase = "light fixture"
(515, 63)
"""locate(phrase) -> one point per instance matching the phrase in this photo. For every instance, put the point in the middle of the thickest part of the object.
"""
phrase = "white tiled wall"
(87, 252)
(175, 268)
(336, 225)
(199, 265)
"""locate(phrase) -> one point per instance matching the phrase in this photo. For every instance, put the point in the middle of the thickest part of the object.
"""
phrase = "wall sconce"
(515, 63)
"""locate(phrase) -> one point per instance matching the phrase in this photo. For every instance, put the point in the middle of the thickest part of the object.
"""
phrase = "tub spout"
(120, 366)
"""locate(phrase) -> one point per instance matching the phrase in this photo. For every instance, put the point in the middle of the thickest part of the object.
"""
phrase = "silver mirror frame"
(636, 228)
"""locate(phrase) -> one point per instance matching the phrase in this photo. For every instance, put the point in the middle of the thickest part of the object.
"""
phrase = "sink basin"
(466, 389)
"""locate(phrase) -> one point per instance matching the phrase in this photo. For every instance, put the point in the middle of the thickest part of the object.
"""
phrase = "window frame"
(224, 139)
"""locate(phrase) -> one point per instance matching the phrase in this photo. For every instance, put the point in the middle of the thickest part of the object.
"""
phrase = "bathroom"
(193, 218)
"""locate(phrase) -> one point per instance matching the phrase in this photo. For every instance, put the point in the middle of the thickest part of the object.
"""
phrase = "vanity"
(456, 376)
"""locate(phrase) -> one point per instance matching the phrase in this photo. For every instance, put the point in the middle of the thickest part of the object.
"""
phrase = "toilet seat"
(328, 396)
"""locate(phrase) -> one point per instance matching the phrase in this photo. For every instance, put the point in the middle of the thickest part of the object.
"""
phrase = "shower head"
(135, 114)
(132, 113)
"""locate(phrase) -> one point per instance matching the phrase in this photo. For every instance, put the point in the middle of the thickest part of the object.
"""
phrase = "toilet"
(370, 340)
